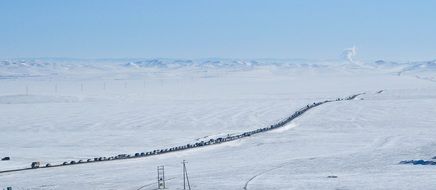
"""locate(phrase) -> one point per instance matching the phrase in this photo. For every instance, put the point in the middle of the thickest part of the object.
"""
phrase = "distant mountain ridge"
(58, 66)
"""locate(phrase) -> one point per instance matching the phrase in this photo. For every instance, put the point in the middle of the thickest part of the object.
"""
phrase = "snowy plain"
(61, 110)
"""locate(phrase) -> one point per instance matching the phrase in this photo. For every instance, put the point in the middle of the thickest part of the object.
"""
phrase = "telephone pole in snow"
(160, 177)
(185, 177)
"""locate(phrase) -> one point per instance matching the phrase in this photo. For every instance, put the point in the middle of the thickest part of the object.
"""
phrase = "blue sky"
(313, 29)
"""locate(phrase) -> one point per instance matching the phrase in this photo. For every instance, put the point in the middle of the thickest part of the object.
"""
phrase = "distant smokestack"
(349, 53)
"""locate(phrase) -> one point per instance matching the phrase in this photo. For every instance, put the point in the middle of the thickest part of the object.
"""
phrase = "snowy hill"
(124, 69)
(58, 110)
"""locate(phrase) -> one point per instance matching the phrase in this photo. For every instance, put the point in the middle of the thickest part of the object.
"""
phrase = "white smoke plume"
(349, 54)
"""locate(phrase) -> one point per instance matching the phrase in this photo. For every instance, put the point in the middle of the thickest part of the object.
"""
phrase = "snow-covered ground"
(59, 110)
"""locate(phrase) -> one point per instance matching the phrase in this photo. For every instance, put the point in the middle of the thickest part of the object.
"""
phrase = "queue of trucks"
(212, 141)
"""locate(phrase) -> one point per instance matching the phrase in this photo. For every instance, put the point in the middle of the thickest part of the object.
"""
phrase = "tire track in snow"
(263, 172)
(378, 144)
(286, 163)
(154, 183)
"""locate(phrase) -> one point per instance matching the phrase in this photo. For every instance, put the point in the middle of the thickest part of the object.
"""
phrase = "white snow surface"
(55, 110)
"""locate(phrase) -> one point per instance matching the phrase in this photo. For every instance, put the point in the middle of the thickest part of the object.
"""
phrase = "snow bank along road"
(219, 140)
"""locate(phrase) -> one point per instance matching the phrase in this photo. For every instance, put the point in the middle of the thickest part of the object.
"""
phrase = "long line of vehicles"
(212, 141)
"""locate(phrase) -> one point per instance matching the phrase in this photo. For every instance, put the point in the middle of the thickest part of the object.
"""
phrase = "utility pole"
(185, 176)
(160, 177)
